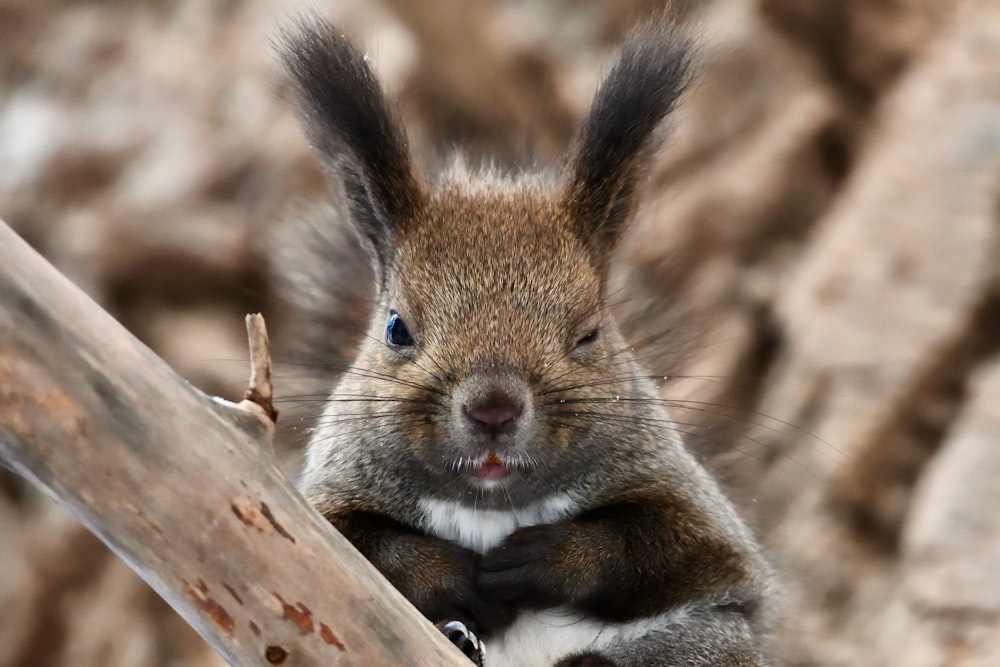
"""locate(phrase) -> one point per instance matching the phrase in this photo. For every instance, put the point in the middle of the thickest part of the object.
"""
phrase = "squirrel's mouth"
(491, 468)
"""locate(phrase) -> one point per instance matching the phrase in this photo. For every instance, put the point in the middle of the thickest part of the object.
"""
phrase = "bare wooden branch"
(183, 487)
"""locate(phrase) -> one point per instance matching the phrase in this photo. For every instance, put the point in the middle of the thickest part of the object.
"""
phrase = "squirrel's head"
(491, 358)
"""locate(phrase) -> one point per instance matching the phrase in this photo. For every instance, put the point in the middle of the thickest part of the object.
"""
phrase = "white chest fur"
(542, 638)
(480, 529)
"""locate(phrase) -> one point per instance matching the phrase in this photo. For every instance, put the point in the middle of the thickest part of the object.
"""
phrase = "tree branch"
(184, 488)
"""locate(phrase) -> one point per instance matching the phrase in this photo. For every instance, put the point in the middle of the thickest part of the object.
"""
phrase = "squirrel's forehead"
(500, 257)
(493, 234)
(495, 262)
(508, 254)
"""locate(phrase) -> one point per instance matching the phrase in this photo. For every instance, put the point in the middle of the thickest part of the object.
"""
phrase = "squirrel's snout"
(495, 414)
(492, 407)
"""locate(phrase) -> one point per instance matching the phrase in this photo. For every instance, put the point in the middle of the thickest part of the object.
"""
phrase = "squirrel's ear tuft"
(359, 139)
(613, 146)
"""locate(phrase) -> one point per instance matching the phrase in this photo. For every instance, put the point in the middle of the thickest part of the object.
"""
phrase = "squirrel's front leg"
(639, 556)
(437, 576)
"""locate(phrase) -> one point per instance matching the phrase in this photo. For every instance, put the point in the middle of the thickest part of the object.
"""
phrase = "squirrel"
(495, 449)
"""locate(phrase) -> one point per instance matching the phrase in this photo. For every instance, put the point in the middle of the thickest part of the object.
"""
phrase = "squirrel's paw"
(445, 587)
(461, 636)
(469, 606)
(520, 571)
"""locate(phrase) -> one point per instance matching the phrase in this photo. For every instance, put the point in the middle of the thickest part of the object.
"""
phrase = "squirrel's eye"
(396, 333)
(590, 337)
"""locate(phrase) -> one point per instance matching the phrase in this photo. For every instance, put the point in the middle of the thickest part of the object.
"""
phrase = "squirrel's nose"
(494, 415)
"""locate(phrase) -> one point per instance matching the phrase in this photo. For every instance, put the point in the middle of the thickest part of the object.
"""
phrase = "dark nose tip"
(494, 415)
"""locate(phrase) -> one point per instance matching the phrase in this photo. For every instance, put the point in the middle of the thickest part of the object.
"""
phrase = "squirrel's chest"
(541, 638)
(483, 529)
(537, 638)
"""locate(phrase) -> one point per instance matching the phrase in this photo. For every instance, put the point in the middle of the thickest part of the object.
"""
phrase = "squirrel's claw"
(467, 642)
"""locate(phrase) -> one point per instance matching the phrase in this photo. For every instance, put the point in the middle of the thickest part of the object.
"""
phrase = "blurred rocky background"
(814, 269)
